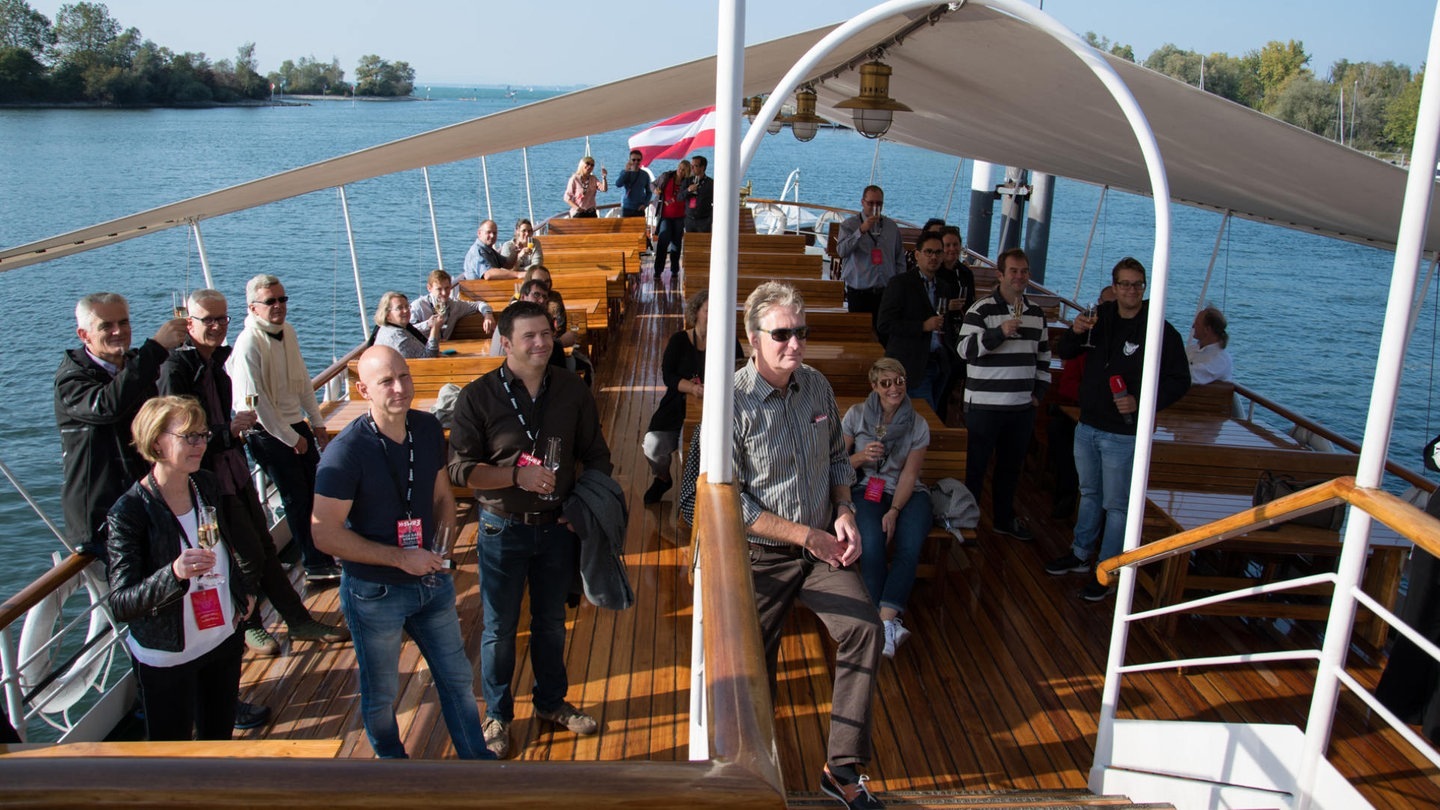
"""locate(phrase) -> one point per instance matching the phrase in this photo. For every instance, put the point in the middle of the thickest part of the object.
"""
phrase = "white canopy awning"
(983, 85)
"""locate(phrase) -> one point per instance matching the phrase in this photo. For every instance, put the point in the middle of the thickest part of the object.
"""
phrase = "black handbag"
(1273, 485)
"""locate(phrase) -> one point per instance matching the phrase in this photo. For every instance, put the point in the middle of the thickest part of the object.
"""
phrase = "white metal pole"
(1420, 299)
(875, 164)
(529, 201)
(699, 705)
(715, 452)
(485, 180)
(1389, 364)
(1214, 253)
(1085, 257)
(204, 257)
(434, 227)
(354, 263)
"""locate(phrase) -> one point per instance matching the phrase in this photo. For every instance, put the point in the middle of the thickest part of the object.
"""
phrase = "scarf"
(897, 433)
(298, 379)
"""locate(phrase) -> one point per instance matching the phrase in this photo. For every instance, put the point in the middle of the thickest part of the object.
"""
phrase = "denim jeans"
(377, 614)
(512, 554)
(294, 476)
(1102, 461)
(889, 580)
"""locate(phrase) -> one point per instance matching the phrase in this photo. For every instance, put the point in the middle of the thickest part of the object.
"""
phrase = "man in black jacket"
(98, 390)
(699, 197)
(912, 327)
(1105, 438)
(197, 369)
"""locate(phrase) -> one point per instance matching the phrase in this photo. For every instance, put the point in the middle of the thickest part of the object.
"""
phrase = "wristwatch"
(847, 504)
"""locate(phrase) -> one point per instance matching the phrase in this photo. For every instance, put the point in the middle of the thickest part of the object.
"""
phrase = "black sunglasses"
(784, 335)
(270, 302)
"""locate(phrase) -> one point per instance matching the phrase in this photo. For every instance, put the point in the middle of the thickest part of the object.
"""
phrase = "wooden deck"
(997, 689)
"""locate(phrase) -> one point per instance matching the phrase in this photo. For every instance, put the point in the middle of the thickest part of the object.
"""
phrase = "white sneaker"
(901, 634)
(889, 651)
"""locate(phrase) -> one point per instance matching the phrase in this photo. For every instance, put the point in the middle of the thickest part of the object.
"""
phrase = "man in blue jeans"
(381, 499)
(266, 365)
(1105, 437)
(517, 435)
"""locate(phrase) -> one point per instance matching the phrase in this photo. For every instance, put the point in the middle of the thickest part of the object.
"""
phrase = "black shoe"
(250, 715)
(1068, 564)
(1015, 529)
(1095, 592)
(657, 490)
(855, 795)
(322, 573)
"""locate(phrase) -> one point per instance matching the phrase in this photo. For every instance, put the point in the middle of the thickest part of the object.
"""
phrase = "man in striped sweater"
(1004, 343)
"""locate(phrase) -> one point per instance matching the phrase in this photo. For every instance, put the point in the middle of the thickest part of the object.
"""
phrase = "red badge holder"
(874, 489)
(409, 533)
(877, 256)
(208, 613)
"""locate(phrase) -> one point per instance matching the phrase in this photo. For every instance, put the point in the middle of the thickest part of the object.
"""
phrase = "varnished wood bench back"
(430, 374)
(1212, 468)
(595, 225)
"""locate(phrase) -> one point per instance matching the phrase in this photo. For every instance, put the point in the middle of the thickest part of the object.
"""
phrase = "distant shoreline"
(291, 100)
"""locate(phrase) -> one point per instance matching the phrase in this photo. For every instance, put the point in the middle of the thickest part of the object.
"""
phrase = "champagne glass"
(551, 463)
(880, 431)
(177, 305)
(444, 542)
(942, 306)
(207, 535)
(252, 401)
(1090, 313)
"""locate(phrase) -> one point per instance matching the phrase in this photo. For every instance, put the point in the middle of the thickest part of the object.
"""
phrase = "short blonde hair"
(883, 366)
(766, 297)
(157, 414)
(382, 312)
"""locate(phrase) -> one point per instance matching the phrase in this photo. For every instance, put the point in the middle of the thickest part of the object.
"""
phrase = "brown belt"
(525, 518)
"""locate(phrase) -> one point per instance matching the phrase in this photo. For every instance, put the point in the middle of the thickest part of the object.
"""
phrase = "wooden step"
(984, 800)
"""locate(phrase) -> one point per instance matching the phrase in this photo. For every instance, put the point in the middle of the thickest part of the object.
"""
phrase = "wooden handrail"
(1402, 472)
(336, 367)
(742, 722)
(1415, 525)
(48, 583)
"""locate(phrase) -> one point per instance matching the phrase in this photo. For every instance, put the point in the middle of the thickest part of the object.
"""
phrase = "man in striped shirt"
(794, 480)
(1005, 345)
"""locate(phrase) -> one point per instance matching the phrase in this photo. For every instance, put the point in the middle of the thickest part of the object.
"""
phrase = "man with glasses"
(197, 369)
(267, 364)
(699, 198)
(794, 479)
(98, 390)
(1105, 437)
(1005, 344)
(911, 322)
(636, 183)
(871, 253)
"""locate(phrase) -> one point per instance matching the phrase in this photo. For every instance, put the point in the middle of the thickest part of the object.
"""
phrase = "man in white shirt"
(267, 363)
(1209, 362)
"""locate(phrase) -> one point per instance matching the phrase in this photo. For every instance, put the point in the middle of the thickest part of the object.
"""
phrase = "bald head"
(385, 381)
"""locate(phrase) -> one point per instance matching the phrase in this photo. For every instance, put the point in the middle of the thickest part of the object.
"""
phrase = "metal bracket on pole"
(354, 263)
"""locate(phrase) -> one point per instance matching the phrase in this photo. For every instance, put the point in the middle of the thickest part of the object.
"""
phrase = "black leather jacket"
(143, 540)
(183, 375)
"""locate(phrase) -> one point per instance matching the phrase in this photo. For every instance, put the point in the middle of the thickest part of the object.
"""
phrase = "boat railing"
(54, 673)
(1390, 510)
(740, 770)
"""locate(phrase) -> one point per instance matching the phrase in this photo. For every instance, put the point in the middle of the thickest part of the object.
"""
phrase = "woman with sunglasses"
(393, 328)
(173, 580)
(886, 440)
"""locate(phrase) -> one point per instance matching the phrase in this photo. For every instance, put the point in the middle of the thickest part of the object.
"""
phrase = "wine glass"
(177, 305)
(207, 536)
(252, 401)
(1090, 313)
(551, 463)
(443, 543)
(880, 431)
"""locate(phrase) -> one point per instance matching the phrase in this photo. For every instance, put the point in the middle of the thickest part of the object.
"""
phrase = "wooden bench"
(619, 272)
(820, 293)
(1215, 398)
(430, 374)
(216, 749)
(631, 244)
(595, 225)
(752, 242)
(789, 265)
(1195, 484)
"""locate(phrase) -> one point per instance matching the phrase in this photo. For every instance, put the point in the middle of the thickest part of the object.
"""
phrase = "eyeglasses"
(933, 252)
(192, 439)
(270, 302)
(214, 320)
(784, 335)
(1130, 285)
(891, 382)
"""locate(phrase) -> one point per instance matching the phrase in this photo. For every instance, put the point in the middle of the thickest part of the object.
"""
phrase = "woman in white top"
(393, 328)
(173, 580)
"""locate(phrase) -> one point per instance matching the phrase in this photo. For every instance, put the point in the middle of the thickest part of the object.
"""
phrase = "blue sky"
(569, 42)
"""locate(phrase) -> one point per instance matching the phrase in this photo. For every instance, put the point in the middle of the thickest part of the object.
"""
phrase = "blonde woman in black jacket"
(174, 581)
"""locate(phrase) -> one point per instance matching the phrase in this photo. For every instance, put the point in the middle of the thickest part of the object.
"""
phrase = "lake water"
(1305, 312)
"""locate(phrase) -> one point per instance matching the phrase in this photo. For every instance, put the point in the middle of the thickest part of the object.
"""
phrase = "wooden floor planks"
(997, 689)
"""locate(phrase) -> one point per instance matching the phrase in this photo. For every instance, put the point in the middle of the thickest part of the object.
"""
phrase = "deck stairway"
(986, 800)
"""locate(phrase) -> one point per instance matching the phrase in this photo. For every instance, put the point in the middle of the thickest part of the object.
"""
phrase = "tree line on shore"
(1367, 105)
(84, 56)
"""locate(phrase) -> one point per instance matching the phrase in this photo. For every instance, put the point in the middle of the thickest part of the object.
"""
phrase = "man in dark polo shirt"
(503, 424)
(381, 497)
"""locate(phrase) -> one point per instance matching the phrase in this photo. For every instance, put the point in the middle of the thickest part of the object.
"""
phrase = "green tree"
(1233, 77)
(22, 77)
(1307, 103)
(1278, 63)
(1104, 44)
(25, 28)
(377, 77)
(311, 77)
(85, 28)
(1175, 63)
(1401, 113)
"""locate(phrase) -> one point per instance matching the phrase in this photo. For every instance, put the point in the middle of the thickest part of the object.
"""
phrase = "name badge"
(206, 604)
(874, 489)
(528, 460)
(409, 533)
(877, 256)
(694, 202)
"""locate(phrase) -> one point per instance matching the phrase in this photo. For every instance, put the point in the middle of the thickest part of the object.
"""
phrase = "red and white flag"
(676, 137)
